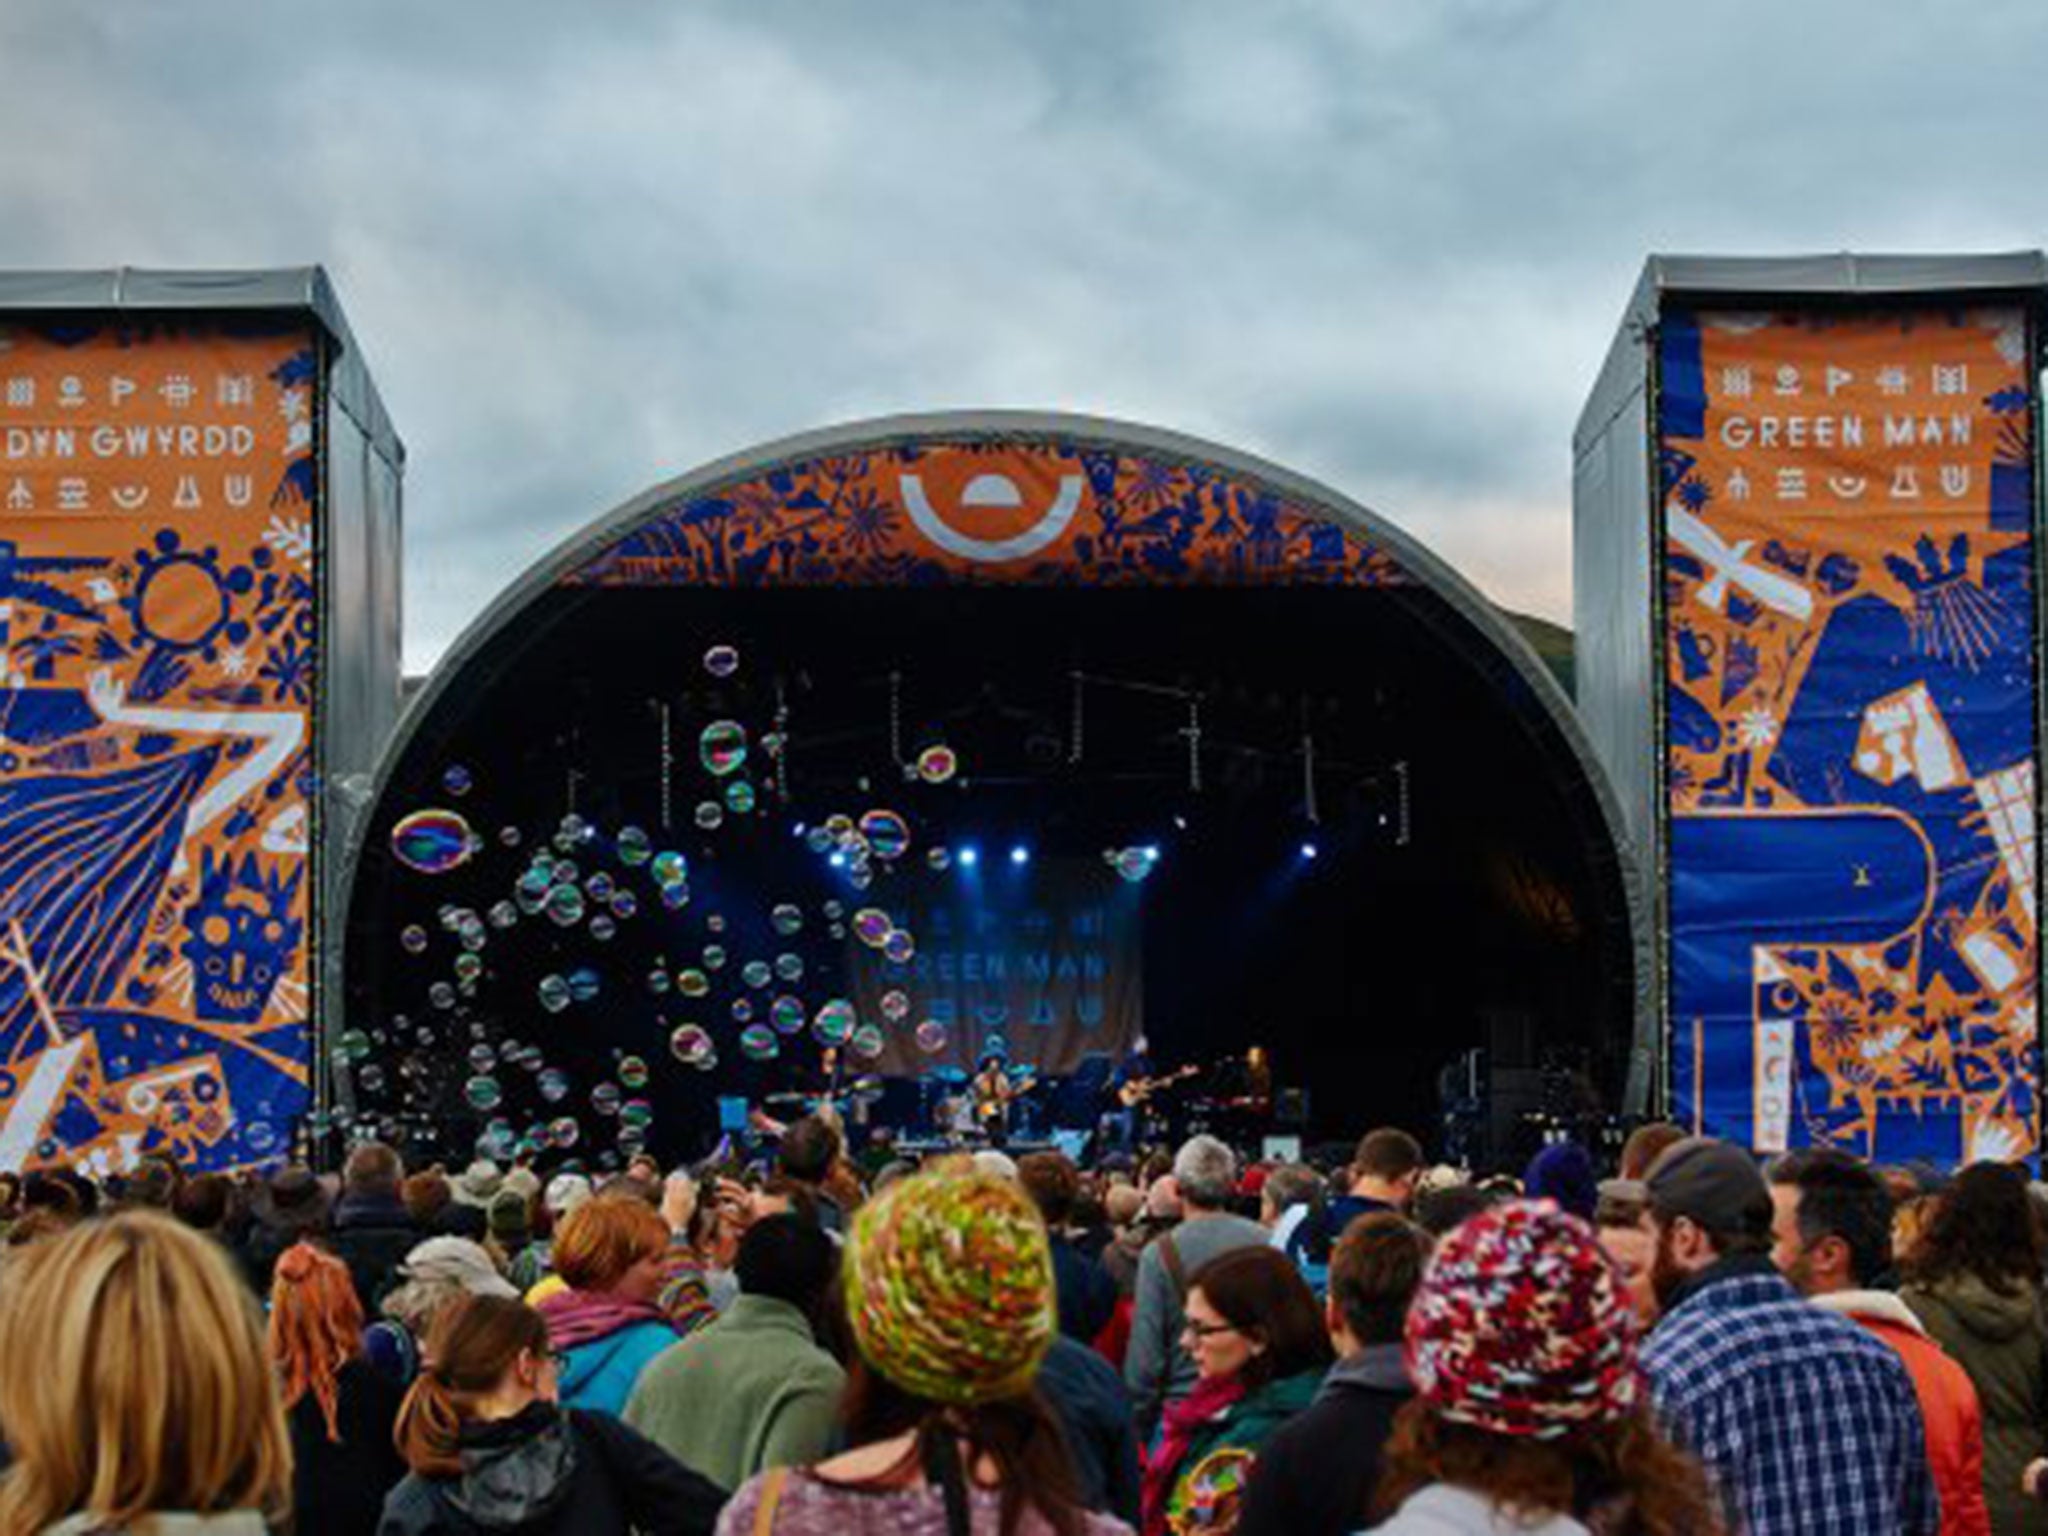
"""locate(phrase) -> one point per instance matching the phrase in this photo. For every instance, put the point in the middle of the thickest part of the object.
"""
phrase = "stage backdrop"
(157, 633)
(1041, 963)
(1849, 633)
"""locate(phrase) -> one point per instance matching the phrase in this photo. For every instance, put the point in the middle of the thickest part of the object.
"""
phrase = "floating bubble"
(563, 872)
(509, 837)
(742, 1010)
(468, 968)
(564, 1132)
(714, 957)
(787, 1015)
(602, 927)
(553, 1084)
(691, 1044)
(722, 660)
(635, 1115)
(938, 858)
(669, 868)
(739, 797)
(714, 924)
(895, 1006)
(867, 1041)
(937, 764)
(833, 910)
(759, 1043)
(352, 1045)
(634, 846)
(574, 829)
(872, 927)
(675, 897)
(787, 919)
(900, 947)
(482, 1058)
(483, 1092)
(790, 967)
(818, 840)
(860, 877)
(564, 906)
(598, 887)
(535, 880)
(1132, 864)
(456, 779)
(773, 743)
(604, 1098)
(710, 815)
(755, 973)
(835, 1022)
(498, 1142)
(722, 747)
(433, 842)
(887, 834)
(838, 828)
(504, 915)
(554, 993)
(624, 904)
(931, 1037)
(414, 939)
(584, 984)
(633, 1072)
(657, 981)
(441, 995)
(692, 983)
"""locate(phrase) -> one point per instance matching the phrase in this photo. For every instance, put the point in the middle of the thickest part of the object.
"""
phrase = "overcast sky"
(589, 245)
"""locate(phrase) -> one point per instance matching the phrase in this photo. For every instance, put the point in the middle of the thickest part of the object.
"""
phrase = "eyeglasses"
(1198, 1331)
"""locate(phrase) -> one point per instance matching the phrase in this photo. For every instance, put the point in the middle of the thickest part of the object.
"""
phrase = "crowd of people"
(1164, 1344)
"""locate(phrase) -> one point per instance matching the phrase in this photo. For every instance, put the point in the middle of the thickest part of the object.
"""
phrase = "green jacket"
(1998, 1339)
(1208, 1489)
(750, 1391)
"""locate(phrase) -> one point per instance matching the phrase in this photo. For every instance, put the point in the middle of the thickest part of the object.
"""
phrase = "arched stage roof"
(1001, 499)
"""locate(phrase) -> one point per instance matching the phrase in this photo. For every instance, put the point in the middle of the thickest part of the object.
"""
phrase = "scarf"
(1212, 1397)
(582, 1317)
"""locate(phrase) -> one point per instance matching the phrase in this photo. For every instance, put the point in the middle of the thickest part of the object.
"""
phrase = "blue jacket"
(600, 1374)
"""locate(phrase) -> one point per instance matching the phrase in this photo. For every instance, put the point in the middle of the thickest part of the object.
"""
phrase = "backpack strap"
(771, 1500)
(1176, 1271)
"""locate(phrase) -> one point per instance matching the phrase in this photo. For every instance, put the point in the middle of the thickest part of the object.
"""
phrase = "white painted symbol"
(993, 492)
(1729, 565)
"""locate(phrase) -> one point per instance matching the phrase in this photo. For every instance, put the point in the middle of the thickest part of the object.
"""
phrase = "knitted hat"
(949, 1285)
(1522, 1327)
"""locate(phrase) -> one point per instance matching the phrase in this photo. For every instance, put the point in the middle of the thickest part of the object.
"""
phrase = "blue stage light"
(837, 861)
(1020, 854)
(969, 856)
(1151, 851)
(1309, 850)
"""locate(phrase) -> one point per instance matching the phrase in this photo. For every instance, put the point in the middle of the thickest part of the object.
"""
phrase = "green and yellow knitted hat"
(949, 1286)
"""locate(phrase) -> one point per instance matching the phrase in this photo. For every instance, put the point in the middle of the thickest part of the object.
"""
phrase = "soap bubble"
(604, 1098)
(887, 834)
(690, 1044)
(895, 1006)
(692, 983)
(624, 904)
(818, 840)
(441, 995)
(414, 938)
(602, 927)
(482, 1058)
(710, 815)
(483, 1093)
(722, 747)
(835, 1022)
(504, 915)
(633, 1071)
(867, 1041)
(872, 927)
(675, 897)
(456, 779)
(742, 1010)
(509, 837)
(899, 947)
(714, 924)
(433, 842)
(790, 967)
(553, 1084)
(722, 661)
(833, 910)
(931, 1037)
(1132, 864)
(564, 1132)
(759, 1043)
(739, 797)
(935, 765)
(468, 968)
(787, 1015)
(714, 956)
(584, 984)
(554, 994)
(657, 981)
(635, 1115)
(634, 846)
(598, 887)
(755, 973)
(564, 906)
(938, 858)
(669, 868)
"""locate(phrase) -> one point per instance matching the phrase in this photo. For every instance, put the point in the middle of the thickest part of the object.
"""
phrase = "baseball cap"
(1714, 1183)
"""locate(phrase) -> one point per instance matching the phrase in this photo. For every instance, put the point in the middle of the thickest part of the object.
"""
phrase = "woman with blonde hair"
(340, 1411)
(492, 1449)
(135, 1388)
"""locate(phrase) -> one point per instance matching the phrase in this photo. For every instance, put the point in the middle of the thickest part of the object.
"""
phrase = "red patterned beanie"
(1522, 1327)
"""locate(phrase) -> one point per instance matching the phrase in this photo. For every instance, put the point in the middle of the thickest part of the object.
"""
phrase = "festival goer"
(949, 1293)
(1157, 1367)
(1806, 1422)
(1086, 1293)
(1621, 1220)
(134, 1383)
(809, 1151)
(1563, 1172)
(1318, 1471)
(287, 1208)
(372, 1231)
(1974, 1282)
(1645, 1144)
(435, 1273)
(491, 1449)
(1292, 1193)
(1447, 1206)
(610, 1254)
(685, 1296)
(508, 1239)
(1088, 1397)
(752, 1389)
(1832, 1238)
(1256, 1336)
(472, 1191)
(340, 1411)
(1384, 1174)
(1529, 1415)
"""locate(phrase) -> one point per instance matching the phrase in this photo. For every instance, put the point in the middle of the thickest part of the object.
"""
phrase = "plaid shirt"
(1806, 1422)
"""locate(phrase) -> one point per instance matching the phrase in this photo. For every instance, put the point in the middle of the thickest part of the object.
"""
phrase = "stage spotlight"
(837, 861)
(1020, 854)
(969, 856)
(1151, 852)
(1309, 850)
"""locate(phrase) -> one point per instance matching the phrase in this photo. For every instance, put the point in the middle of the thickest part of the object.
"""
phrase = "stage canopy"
(939, 736)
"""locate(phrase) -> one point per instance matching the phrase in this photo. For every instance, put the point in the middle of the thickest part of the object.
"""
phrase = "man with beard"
(1833, 1240)
(1806, 1422)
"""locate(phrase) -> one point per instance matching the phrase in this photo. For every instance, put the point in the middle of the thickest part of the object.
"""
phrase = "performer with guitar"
(994, 1089)
(1130, 1088)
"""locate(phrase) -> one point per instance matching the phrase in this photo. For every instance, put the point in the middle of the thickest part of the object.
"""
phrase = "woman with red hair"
(339, 1410)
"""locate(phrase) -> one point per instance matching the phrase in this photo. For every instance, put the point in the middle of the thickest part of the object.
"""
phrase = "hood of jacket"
(1375, 1368)
(1989, 1314)
(1870, 1307)
(515, 1471)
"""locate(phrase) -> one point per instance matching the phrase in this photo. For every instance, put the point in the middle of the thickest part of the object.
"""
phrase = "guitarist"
(1121, 1115)
(993, 1090)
